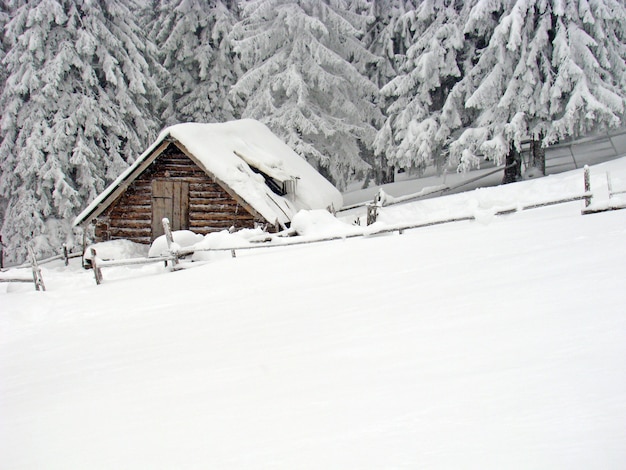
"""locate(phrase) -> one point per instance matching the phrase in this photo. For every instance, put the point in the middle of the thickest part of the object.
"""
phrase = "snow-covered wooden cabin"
(209, 177)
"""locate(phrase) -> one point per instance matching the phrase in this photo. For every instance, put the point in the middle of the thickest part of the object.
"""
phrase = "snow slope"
(493, 344)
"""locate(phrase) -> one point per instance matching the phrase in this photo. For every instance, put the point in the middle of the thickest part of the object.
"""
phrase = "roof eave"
(111, 193)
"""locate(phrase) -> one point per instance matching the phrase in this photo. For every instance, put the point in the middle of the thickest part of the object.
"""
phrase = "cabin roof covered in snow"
(229, 152)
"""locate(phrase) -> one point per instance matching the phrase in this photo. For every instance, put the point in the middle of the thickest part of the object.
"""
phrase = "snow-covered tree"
(195, 50)
(304, 78)
(551, 70)
(417, 124)
(4, 19)
(76, 110)
(6, 7)
(388, 37)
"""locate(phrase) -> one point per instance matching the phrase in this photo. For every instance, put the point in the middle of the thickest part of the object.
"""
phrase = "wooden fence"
(34, 265)
(173, 255)
(610, 205)
(36, 278)
(171, 259)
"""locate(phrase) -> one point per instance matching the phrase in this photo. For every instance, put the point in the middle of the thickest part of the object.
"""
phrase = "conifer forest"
(359, 88)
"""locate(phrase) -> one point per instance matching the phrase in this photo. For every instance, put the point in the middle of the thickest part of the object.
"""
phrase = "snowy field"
(493, 344)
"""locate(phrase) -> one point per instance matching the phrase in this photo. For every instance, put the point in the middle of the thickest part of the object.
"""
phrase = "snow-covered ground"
(491, 344)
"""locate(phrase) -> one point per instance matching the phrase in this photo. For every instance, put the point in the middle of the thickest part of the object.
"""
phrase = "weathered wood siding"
(203, 205)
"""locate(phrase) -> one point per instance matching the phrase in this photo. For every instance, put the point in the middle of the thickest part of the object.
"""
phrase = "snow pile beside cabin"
(322, 224)
(182, 239)
(116, 249)
(201, 245)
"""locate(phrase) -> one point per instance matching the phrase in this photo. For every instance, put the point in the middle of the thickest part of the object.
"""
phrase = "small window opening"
(276, 186)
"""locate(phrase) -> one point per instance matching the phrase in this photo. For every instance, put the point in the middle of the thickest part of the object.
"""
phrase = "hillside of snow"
(486, 344)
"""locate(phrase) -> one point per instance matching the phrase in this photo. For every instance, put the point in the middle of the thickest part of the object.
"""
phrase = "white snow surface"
(491, 344)
(228, 151)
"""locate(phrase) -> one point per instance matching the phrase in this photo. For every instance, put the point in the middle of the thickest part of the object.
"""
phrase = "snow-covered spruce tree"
(388, 38)
(304, 78)
(417, 127)
(551, 70)
(6, 7)
(4, 19)
(195, 50)
(76, 110)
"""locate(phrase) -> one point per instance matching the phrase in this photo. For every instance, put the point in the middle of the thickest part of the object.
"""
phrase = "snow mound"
(202, 244)
(321, 223)
(224, 239)
(116, 249)
(182, 239)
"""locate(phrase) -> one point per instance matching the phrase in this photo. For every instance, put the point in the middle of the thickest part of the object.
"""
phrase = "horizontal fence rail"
(36, 279)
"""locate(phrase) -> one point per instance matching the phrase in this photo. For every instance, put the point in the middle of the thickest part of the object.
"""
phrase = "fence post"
(609, 183)
(372, 213)
(170, 241)
(587, 186)
(97, 272)
(84, 236)
(612, 144)
(372, 207)
(571, 151)
(1, 253)
(37, 279)
(65, 255)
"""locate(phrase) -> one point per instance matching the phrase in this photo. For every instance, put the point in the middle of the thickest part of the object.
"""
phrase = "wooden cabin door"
(169, 199)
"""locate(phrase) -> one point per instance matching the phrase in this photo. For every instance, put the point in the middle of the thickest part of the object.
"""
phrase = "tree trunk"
(513, 169)
(384, 173)
(440, 161)
(538, 155)
(388, 175)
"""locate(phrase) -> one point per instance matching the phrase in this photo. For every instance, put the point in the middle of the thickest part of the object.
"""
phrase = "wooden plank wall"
(211, 208)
